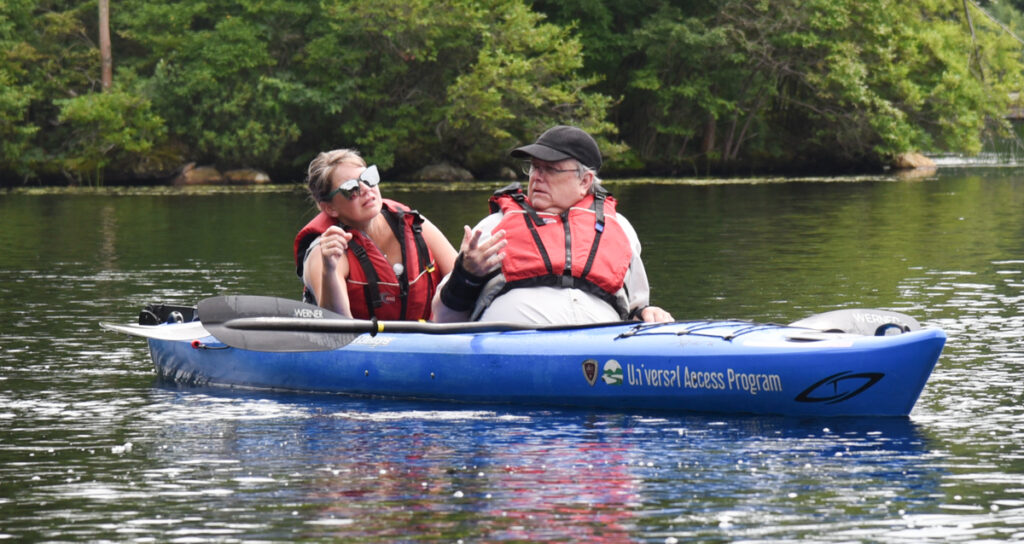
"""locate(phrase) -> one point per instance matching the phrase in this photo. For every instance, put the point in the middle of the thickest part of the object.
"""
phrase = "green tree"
(46, 57)
(270, 83)
(868, 88)
(420, 81)
(524, 79)
(689, 86)
(211, 71)
(17, 153)
(108, 129)
(53, 122)
(773, 83)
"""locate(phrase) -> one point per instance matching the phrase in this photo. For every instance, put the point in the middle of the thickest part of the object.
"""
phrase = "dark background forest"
(669, 88)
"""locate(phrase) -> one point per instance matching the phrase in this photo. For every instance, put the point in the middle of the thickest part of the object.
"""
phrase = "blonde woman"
(364, 256)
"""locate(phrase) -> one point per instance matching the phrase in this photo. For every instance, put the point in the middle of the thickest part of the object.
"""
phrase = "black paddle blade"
(214, 312)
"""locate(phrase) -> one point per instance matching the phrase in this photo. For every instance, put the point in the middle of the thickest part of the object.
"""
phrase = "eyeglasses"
(529, 168)
(350, 188)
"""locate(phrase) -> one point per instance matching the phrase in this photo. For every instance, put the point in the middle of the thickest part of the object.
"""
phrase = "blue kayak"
(733, 367)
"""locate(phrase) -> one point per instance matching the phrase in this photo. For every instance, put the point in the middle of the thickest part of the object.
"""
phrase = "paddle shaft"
(280, 325)
(375, 326)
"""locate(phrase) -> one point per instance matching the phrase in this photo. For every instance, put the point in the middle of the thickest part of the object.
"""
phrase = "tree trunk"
(976, 57)
(106, 59)
(707, 143)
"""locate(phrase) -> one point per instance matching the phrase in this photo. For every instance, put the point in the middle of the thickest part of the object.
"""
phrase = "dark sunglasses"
(350, 188)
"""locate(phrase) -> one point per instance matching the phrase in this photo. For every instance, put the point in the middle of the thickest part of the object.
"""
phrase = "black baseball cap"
(562, 142)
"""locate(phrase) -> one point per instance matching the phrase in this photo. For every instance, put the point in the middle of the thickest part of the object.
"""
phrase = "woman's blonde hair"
(318, 177)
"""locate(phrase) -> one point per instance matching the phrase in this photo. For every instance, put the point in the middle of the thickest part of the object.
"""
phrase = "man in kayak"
(559, 254)
(366, 256)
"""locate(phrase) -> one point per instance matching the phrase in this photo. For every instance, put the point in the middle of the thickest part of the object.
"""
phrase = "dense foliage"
(768, 83)
(668, 86)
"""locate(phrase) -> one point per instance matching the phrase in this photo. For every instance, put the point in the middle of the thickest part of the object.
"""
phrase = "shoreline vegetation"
(246, 92)
(904, 166)
(298, 187)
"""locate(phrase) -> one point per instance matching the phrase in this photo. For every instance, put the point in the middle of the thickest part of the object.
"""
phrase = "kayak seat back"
(867, 322)
(158, 314)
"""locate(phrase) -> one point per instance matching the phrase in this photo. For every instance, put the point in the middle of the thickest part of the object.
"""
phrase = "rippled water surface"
(93, 448)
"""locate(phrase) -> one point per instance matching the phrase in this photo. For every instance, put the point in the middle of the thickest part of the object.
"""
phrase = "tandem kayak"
(815, 367)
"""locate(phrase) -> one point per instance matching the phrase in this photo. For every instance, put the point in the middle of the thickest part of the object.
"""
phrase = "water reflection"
(376, 468)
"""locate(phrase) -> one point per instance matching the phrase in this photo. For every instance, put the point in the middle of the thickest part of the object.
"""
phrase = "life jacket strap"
(598, 207)
(532, 222)
(574, 283)
(396, 221)
(426, 265)
(371, 290)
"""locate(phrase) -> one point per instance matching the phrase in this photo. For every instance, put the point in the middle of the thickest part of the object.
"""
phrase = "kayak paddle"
(273, 324)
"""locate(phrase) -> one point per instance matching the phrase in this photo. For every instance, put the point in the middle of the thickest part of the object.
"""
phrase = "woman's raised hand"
(333, 245)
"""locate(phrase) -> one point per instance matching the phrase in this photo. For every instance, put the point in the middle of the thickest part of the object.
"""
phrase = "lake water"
(93, 448)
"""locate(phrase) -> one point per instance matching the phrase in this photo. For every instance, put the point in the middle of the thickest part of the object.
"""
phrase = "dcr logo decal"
(590, 371)
(839, 387)
(611, 372)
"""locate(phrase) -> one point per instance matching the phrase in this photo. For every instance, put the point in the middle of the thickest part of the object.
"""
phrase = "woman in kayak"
(364, 256)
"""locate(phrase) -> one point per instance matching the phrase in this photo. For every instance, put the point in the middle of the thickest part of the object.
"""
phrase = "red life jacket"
(374, 290)
(584, 247)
